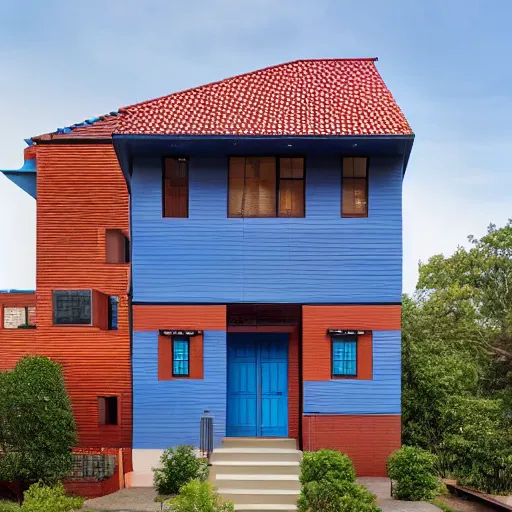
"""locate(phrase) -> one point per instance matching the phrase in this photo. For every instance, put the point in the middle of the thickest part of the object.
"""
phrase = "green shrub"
(179, 466)
(478, 444)
(413, 471)
(9, 506)
(45, 498)
(317, 466)
(197, 495)
(331, 495)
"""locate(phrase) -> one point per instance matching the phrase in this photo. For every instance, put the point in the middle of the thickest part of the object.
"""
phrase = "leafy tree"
(37, 429)
(457, 350)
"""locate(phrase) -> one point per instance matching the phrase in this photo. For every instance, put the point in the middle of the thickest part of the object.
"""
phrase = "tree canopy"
(457, 359)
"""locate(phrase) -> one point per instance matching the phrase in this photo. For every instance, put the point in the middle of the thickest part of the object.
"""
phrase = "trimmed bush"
(317, 466)
(330, 495)
(45, 498)
(179, 466)
(413, 471)
(197, 495)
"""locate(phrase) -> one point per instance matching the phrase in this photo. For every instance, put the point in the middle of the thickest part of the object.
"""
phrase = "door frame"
(293, 331)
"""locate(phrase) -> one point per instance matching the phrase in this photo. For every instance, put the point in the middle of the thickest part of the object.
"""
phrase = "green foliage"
(328, 485)
(478, 444)
(316, 466)
(197, 495)
(457, 360)
(37, 429)
(179, 466)
(9, 506)
(44, 498)
(330, 495)
(413, 471)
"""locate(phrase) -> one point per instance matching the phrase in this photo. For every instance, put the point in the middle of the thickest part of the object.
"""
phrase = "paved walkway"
(143, 500)
(381, 487)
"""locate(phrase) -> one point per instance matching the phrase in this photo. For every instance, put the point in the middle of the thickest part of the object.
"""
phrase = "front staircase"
(257, 474)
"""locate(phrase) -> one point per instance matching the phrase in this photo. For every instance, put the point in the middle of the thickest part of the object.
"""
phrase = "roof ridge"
(123, 110)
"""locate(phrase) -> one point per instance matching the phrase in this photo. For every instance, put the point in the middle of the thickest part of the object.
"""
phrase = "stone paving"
(142, 500)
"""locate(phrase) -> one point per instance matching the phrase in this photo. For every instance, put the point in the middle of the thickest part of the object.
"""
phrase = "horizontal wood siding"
(322, 258)
(80, 193)
(368, 440)
(167, 412)
(152, 317)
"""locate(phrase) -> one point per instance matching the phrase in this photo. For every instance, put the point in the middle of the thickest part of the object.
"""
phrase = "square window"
(344, 356)
(14, 317)
(180, 357)
(117, 247)
(72, 307)
(108, 410)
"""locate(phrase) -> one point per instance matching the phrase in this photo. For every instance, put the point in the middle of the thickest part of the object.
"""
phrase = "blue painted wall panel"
(167, 413)
(378, 396)
(321, 258)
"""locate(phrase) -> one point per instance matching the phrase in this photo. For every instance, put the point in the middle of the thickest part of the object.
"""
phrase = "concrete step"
(276, 467)
(256, 454)
(260, 496)
(259, 442)
(266, 507)
(258, 481)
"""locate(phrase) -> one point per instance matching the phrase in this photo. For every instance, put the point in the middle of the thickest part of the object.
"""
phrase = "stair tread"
(259, 491)
(265, 506)
(252, 476)
(255, 463)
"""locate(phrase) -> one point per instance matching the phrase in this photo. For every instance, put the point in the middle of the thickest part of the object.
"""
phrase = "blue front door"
(257, 385)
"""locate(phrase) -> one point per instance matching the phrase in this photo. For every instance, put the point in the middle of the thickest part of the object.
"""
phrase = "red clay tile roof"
(304, 97)
(96, 128)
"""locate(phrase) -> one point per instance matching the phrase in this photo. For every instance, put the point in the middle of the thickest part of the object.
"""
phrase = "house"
(248, 234)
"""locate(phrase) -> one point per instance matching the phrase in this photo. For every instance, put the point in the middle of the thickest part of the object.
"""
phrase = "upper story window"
(175, 187)
(72, 307)
(266, 187)
(117, 246)
(344, 356)
(354, 201)
(19, 317)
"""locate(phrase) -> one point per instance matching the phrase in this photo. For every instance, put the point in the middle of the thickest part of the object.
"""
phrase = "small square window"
(344, 356)
(72, 307)
(107, 410)
(113, 303)
(117, 247)
(14, 317)
(180, 357)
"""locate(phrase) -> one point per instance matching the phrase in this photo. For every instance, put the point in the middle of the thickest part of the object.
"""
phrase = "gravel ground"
(137, 499)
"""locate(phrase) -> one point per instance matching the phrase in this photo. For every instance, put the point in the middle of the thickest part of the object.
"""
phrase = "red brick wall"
(293, 385)
(152, 318)
(368, 440)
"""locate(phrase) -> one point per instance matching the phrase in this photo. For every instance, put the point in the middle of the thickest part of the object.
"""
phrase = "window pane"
(180, 357)
(348, 167)
(115, 246)
(112, 312)
(291, 198)
(360, 167)
(344, 357)
(72, 307)
(355, 197)
(175, 187)
(253, 194)
(291, 168)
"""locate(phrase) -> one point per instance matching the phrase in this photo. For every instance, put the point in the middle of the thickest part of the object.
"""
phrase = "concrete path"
(381, 487)
(142, 499)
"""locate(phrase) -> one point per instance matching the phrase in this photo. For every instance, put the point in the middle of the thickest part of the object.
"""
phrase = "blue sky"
(446, 62)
